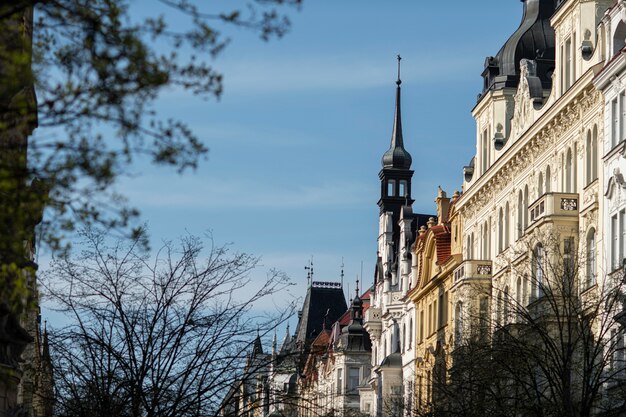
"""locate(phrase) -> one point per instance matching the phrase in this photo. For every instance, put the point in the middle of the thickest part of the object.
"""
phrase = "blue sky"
(296, 140)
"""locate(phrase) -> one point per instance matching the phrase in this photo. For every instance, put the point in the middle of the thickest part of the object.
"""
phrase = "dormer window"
(567, 72)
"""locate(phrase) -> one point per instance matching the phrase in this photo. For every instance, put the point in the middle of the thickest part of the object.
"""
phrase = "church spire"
(396, 156)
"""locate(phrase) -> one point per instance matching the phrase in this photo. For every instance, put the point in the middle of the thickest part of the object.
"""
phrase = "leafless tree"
(162, 336)
(554, 349)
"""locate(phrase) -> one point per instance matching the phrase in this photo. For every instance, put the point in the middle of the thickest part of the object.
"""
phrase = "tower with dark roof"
(396, 174)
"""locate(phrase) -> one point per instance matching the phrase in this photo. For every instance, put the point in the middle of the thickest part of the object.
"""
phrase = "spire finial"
(342, 272)
(357, 286)
(399, 80)
(309, 273)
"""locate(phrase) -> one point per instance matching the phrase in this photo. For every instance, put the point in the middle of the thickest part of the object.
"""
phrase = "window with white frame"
(507, 226)
(485, 151)
(538, 271)
(591, 257)
(567, 68)
(591, 155)
(500, 230)
(615, 242)
(458, 323)
(506, 308)
(615, 112)
(520, 214)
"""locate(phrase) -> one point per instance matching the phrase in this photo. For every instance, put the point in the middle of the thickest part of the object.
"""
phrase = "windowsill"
(591, 184)
(588, 287)
(620, 147)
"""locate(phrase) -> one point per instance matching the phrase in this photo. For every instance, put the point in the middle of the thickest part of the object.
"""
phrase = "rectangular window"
(402, 192)
(391, 188)
(622, 120)
(441, 307)
(434, 316)
(614, 242)
(614, 122)
(568, 252)
(339, 380)
(483, 318)
(622, 237)
(353, 379)
(568, 63)
(421, 325)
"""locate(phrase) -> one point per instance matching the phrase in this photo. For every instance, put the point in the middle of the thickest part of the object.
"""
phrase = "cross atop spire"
(399, 81)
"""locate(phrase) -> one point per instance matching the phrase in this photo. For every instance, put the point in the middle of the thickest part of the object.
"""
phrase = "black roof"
(534, 39)
(324, 304)
(396, 156)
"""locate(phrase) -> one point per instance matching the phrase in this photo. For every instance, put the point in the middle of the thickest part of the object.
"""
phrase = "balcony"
(472, 270)
(554, 207)
(373, 322)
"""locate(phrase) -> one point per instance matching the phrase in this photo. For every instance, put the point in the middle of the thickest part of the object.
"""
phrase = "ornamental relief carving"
(545, 140)
(523, 110)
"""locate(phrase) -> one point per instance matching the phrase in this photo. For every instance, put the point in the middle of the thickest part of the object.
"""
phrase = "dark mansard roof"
(534, 39)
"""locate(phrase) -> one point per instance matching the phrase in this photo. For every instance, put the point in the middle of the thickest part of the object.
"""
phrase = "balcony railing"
(549, 205)
(473, 269)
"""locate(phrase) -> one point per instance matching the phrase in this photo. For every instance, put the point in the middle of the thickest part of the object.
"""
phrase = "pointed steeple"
(258, 346)
(396, 156)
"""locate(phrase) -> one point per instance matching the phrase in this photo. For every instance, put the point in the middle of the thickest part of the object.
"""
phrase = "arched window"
(594, 153)
(568, 171)
(486, 241)
(410, 332)
(485, 149)
(500, 230)
(574, 168)
(458, 323)
(540, 185)
(403, 337)
(520, 215)
(519, 298)
(591, 257)
(548, 179)
(619, 37)
(525, 207)
(499, 309)
(506, 225)
(588, 159)
(506, 308)
(538, 271)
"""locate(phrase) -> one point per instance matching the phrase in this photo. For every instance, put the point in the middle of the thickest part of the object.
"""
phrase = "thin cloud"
(214, 193)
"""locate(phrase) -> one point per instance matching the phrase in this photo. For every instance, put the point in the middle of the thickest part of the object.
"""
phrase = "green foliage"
(98, 70)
